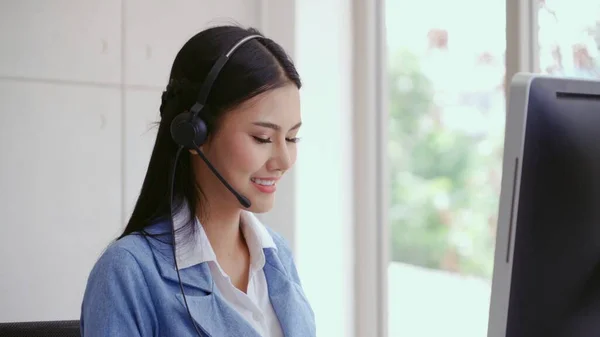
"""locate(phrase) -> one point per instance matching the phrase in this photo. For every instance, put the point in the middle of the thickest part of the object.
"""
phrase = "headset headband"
(213, 73)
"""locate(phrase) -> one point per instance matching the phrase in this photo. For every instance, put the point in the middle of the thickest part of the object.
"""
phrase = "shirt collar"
(193, 246)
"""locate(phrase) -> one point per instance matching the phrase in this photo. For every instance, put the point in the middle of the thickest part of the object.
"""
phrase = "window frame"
(370, 166)
(371, 231)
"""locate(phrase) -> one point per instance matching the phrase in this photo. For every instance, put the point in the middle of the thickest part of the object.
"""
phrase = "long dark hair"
(255, 67)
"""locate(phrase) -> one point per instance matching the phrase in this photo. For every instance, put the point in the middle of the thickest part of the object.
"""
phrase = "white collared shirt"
(255, 305)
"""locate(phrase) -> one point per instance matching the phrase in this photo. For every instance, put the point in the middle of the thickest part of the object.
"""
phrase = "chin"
(258, 207)
(260, 203)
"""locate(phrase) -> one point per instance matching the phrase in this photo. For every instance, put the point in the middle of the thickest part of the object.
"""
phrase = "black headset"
(189, 131)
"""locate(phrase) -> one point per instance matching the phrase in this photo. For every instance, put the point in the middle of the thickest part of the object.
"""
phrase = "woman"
(194, 261)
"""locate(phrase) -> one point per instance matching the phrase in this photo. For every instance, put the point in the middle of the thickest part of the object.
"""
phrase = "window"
(569, 37)
(446, 131)
(446, 109)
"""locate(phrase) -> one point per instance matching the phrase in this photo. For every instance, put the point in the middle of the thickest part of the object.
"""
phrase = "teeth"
(264, 182)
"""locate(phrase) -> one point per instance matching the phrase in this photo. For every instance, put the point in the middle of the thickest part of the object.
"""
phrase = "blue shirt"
(133, 290)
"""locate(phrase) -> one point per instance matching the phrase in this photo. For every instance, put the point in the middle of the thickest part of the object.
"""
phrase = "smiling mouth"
(264, 182)
(267, 186)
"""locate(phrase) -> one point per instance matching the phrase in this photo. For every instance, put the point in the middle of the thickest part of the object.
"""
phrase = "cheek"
(293, 151)
(244, 156)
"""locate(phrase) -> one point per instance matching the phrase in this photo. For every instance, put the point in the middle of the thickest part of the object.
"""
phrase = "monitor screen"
(547, 261)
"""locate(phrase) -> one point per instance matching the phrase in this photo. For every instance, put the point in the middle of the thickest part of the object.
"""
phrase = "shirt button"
(256, 316)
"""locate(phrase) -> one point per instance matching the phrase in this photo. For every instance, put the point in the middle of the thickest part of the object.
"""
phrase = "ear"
(204, 147)
(193, 152)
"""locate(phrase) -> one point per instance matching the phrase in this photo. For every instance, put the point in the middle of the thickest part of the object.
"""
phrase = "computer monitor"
(546, 280)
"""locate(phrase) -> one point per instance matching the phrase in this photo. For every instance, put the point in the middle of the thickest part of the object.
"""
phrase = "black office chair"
(40, 329)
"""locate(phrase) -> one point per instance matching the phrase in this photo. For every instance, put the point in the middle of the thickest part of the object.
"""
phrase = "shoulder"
(117, 291)
(267, 235)
(121, 263)
(133, 251)
(282, 244)
(285, 254)
(120, 273)
(124, 253)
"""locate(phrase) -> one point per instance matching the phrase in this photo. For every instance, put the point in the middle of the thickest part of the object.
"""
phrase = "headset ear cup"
(188, 133)
(201, 127)
(201, 131)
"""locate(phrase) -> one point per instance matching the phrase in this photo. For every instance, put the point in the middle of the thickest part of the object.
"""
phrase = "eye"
(262, 140)
(268, 140)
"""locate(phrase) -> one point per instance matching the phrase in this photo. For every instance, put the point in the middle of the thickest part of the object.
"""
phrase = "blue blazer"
(133, 291)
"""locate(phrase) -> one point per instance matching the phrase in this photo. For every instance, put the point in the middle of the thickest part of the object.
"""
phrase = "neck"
(223, 231)
(222, 221)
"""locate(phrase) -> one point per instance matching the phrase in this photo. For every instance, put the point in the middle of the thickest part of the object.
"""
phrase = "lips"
(265, 185)
(264, 181)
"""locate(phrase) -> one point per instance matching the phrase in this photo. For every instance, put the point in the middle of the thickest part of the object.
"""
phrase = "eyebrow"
(275, 126)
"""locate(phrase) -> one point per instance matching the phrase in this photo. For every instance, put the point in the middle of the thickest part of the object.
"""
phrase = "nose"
(282, 159)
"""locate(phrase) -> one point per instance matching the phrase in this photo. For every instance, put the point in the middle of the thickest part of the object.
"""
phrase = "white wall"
(324, 170)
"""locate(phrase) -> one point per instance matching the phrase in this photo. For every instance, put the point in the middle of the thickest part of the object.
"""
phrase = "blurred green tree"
(443, 207)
